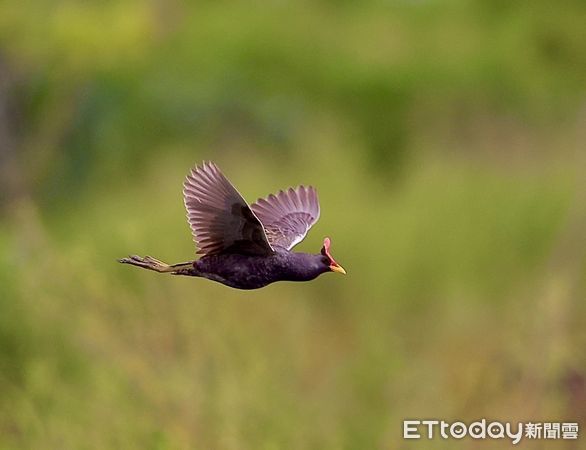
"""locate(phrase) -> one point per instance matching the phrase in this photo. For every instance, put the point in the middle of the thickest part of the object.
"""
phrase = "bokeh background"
(446, 139)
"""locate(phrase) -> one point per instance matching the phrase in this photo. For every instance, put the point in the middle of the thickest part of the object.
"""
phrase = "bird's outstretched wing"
(220, 219)
(288, 216)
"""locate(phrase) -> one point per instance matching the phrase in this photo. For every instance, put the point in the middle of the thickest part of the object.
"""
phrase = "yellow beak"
(337, 268)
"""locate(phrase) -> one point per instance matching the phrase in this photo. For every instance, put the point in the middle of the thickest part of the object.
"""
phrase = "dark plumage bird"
(242, 246)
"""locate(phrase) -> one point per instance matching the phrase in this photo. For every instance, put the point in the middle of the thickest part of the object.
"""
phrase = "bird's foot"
(148, 262)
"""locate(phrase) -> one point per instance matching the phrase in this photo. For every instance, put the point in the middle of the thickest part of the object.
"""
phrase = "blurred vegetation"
(446, 139)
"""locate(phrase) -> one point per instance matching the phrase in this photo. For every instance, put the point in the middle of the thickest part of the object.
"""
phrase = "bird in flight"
(246, 246)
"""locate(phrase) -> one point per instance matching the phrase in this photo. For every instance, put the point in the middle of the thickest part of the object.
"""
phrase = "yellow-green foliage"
(446, 143)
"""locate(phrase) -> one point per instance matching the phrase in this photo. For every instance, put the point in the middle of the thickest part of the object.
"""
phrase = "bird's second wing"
(220, 219)
(288, 216)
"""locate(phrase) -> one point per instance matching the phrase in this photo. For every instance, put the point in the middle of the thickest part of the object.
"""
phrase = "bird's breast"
(241, 271)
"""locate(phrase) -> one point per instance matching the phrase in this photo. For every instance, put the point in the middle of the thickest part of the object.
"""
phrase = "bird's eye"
(326, 261)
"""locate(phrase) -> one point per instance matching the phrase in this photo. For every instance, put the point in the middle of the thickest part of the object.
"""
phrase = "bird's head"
(328, 260)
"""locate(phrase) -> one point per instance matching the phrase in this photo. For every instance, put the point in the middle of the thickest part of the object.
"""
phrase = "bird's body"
(252, 272)
(246, 247)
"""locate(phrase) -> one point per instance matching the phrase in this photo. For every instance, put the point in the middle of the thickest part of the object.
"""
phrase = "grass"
(435, 318)
(445, 139)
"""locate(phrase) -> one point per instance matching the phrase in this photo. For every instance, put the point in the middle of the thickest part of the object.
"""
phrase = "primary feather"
(220, 219)
(288, 216)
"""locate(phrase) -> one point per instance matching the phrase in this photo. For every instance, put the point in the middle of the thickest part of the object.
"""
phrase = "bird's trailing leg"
(150, 263)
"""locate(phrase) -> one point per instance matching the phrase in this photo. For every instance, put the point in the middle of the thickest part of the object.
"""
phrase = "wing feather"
(288, 215)
(220, 219)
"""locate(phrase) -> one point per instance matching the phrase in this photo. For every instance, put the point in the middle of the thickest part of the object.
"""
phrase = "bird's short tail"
(150, 263)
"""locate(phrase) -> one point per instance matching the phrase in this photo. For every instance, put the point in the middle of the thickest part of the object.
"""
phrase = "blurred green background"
(446, 139)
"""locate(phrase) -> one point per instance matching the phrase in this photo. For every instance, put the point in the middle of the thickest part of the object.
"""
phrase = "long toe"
(137, 261)
(128, 260)
(154, 261)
